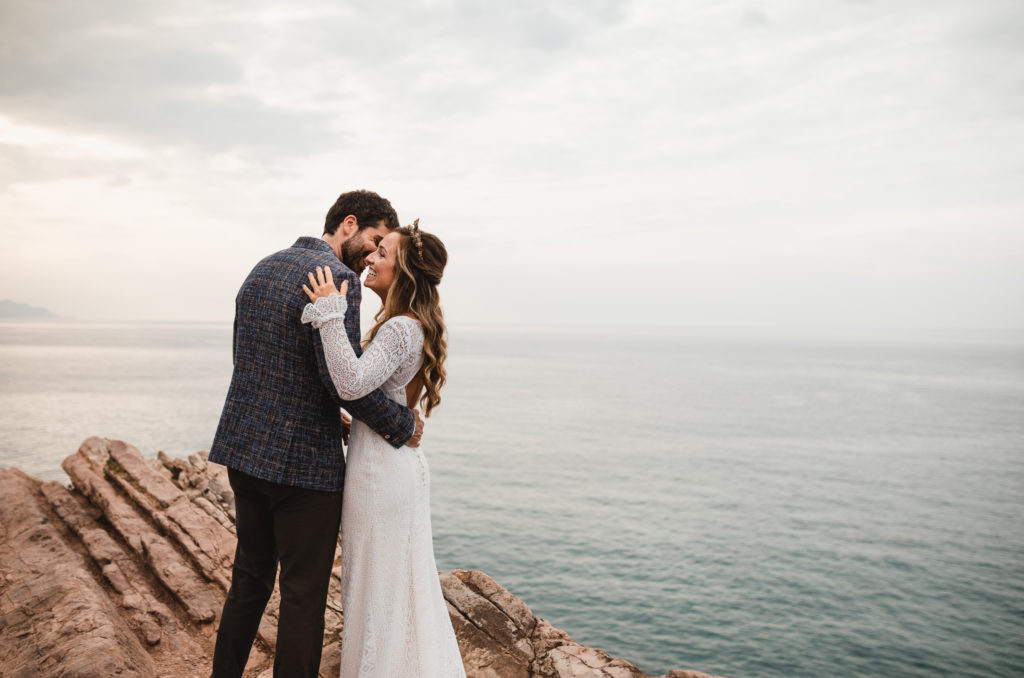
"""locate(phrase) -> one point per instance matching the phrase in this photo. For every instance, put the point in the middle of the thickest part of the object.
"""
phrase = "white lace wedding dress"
(396, 620)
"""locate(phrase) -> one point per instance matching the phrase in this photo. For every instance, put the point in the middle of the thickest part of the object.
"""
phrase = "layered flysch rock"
(124, 574)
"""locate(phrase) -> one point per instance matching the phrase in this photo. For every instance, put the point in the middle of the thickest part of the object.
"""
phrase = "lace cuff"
(327, 308)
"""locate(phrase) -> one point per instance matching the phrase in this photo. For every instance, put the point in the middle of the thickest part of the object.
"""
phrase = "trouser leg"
(306, 526)
(252, 577)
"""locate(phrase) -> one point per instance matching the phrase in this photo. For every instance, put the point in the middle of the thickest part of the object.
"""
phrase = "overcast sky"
(687, 162)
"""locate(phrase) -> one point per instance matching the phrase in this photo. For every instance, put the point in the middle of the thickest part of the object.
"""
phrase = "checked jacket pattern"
(281, 421)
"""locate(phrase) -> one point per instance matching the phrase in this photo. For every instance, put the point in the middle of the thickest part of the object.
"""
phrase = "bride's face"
(380, 265)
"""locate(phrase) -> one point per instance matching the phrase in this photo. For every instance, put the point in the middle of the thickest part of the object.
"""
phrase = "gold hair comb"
(417, 239)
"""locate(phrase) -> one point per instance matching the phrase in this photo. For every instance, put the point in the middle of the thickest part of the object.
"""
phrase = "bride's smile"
(380, 265)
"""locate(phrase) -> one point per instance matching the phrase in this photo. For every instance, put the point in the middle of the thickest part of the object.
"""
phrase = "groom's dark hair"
(366, 206)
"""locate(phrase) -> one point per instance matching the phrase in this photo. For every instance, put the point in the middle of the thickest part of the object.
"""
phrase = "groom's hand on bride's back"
(418, 433)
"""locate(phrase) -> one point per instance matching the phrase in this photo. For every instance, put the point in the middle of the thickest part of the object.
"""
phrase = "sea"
(749, 504)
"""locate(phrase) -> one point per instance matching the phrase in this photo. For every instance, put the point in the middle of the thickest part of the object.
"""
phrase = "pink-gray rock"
(125, 573)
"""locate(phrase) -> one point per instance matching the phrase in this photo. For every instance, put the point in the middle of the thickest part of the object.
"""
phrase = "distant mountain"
(12, 309)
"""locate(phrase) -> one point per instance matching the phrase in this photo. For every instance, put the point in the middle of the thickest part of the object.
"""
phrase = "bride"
(396, 620)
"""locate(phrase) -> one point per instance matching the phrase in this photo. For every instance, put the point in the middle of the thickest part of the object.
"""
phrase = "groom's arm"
(394, 422)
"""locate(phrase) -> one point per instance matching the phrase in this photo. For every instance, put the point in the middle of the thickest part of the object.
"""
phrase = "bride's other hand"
(346, 426)
(323, 285)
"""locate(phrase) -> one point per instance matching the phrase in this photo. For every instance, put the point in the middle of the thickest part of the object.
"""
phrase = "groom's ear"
(348, 226)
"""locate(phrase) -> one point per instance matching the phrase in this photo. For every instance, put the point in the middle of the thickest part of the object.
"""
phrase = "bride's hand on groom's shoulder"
(322, 285)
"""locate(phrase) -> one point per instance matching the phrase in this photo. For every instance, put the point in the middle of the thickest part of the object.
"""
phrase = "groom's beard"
(353, 256)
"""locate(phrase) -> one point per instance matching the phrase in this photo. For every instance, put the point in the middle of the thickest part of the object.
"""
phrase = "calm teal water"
(746, 507)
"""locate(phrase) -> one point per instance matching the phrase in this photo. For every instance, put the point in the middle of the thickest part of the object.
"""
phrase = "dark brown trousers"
(298, 529)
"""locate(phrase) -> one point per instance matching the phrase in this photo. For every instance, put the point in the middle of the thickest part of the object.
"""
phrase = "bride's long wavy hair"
(420, 259)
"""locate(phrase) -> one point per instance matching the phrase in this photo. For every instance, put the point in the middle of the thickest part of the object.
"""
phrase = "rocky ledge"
(124, 573)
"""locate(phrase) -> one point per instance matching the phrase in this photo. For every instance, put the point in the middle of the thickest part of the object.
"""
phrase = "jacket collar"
(310, 243)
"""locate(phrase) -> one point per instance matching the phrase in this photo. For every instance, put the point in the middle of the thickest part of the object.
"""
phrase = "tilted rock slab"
(125, 573)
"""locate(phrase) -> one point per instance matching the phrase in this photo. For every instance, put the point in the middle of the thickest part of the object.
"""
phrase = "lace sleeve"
(326, 308)
(355, 377)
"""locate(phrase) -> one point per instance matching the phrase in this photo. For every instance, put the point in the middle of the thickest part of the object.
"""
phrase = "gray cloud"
(141, 77)
(744, 157)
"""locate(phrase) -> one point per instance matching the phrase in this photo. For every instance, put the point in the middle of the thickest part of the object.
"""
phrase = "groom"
(280, 435)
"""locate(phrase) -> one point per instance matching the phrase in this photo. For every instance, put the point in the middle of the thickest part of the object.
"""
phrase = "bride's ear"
(348, 226)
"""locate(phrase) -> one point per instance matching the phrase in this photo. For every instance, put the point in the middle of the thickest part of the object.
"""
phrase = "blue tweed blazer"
(281, 421)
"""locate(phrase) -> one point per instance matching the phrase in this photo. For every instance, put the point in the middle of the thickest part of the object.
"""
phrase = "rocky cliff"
(124, 574)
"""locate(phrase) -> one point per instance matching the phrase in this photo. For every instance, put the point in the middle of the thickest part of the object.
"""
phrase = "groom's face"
(361, 244)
